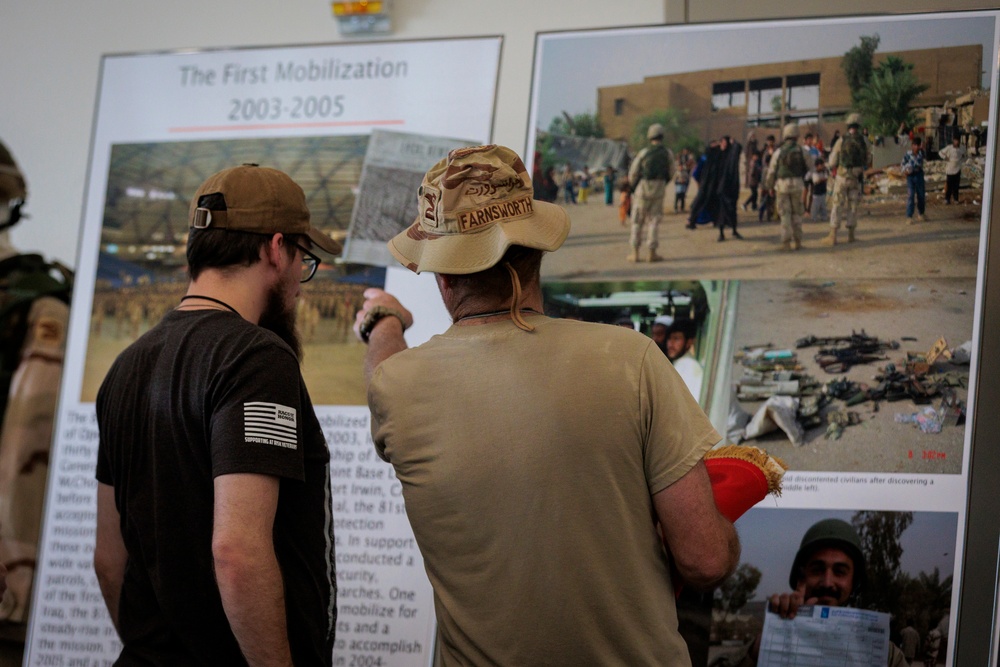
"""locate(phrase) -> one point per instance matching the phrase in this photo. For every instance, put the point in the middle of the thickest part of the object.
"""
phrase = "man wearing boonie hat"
(537, 456)
(214, 530)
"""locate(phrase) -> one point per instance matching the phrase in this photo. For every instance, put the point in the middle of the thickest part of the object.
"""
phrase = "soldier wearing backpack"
(789, 165)
(849, 158)
(34, 314)
(648, 175)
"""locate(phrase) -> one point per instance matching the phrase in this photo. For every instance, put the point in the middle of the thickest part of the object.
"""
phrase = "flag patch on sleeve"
(270, 424)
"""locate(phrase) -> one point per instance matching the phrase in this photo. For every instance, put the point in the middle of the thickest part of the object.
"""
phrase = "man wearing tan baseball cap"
(537, 456)
(214, 531)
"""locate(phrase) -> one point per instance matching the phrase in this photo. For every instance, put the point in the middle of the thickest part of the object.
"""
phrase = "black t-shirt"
(206, 393)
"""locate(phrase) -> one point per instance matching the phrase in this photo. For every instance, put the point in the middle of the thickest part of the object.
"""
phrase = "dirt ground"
(915, 313)
(945, 245)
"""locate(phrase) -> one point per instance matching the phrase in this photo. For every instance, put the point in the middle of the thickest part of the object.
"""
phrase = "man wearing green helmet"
(829, 569)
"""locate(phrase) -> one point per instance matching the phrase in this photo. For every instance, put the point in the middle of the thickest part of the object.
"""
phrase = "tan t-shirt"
(527, 461)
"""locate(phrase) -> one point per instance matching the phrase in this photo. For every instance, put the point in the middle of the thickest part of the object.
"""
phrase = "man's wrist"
(375, 315)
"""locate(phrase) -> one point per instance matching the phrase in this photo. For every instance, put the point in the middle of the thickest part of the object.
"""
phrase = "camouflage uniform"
(788, 185)
(647, 199)
(846, 188)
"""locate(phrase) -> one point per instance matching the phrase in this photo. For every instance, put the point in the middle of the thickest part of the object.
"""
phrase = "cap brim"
(545, 229)
(324, 242)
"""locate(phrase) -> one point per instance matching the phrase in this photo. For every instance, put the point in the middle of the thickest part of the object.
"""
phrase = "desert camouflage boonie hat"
(472, 206)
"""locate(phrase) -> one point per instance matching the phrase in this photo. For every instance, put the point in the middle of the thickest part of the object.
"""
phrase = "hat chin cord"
(515, 302)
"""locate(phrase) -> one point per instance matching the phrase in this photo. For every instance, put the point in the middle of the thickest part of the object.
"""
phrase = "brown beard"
(280, 319)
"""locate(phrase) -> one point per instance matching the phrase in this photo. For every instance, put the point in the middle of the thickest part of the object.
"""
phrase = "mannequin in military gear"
(785, 176)
(849, 158)
(34, 312)
(648, 176)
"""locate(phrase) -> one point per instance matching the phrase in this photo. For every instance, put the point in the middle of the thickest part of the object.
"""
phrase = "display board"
(163, 123)
(855, 362)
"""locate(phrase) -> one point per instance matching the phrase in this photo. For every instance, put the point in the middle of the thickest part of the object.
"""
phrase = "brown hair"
(493, 285)
(222, 249)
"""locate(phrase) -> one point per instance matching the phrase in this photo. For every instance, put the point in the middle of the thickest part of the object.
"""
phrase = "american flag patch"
(270, 424)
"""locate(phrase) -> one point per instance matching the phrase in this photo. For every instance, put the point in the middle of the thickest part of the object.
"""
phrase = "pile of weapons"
(777, 372)
(838, 353)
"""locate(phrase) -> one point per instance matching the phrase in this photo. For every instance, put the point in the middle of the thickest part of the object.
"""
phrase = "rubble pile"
(892, 180)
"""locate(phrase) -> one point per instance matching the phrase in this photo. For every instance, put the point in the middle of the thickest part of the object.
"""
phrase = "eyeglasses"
(310, 263)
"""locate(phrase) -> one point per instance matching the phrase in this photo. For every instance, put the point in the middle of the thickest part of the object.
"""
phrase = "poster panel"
(909, 556)
(163, 123)
(393, 170)
(852, 357)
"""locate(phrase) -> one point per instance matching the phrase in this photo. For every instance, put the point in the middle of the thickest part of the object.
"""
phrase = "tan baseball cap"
(256, 199)
(472, 206)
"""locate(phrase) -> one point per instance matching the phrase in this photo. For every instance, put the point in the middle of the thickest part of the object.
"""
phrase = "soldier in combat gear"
(648, 175)
(785, 175)
(849, 158)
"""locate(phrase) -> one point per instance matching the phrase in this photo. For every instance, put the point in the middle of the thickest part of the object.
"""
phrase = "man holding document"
(828, 571)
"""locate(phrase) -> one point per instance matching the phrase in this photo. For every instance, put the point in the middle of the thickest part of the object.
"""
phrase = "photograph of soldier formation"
(141, 269)
(836, 147)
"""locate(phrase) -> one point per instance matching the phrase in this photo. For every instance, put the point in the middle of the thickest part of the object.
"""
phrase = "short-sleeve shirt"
(206, 393)
(527, 462)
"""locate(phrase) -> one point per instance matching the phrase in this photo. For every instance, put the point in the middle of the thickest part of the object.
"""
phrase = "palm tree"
(885, 101)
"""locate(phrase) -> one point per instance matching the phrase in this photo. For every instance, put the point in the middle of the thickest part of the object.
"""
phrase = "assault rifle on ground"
(842, 352)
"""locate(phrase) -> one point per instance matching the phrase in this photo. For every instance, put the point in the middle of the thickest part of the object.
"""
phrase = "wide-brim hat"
(261, 200)
(472, 206)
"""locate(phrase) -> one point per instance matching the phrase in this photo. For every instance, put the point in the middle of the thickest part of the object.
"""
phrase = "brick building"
(814, 92)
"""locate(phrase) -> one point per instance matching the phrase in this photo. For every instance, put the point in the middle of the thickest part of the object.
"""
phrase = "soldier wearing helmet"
(785, 176)
(648, 175)
(829, 569)
(34, 313)
(848, 159)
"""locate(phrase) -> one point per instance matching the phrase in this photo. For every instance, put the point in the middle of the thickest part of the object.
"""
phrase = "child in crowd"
(682, 178)
(818, 178)
(913, 167)
(624, 203)
(585, 178)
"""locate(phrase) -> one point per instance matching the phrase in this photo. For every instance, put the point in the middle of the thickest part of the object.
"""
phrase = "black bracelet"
(372, 318)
